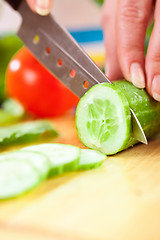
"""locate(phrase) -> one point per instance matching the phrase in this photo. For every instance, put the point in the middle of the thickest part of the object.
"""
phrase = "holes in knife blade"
(48, 50)
(86, 84)
(60, 62)
(72, 73)
(36, 39)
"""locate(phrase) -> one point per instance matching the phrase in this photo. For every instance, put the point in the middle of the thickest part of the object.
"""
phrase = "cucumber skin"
(89, 167)
(147, 110)
(62, 169)
(56, 169)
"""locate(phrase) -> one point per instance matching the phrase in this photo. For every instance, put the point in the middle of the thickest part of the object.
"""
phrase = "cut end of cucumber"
(103, 119)
(62, 157)
(16, 177)
(39, 161)
(90, 158)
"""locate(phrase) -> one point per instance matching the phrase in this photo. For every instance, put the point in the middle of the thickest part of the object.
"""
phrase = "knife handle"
(14, 3)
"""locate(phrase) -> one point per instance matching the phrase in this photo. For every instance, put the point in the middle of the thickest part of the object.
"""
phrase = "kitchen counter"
(119, 200)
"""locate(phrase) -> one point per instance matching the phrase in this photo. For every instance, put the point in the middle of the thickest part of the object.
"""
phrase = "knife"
(58, 51)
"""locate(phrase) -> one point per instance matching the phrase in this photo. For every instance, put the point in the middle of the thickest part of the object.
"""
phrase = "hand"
(124, 23)
(42, 7)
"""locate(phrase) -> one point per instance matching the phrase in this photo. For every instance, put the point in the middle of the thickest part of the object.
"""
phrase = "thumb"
(41, 7)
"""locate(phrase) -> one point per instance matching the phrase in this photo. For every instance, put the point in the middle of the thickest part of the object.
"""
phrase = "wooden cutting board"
(118, 201)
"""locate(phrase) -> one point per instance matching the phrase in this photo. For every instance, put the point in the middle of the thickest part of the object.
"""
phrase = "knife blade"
(58, 51)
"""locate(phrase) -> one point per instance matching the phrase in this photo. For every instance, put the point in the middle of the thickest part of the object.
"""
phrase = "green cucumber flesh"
(103, 119)
(26, 132)
(62, 157)
(16, 177)
(13, 107)
(38, 160)
(23, 170)
(11, 111)
(90, 158)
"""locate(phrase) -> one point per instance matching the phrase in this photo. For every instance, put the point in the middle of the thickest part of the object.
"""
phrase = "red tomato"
(38, 91)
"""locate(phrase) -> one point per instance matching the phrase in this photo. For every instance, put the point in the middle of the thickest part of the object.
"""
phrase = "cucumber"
(144, 106)
(107, 126)
(11, 111)
(61, 156)
(90, 158)
(103, 119)
(13, 107)
(17, 177)
(39, 161)
(23, 170)
(26, 132)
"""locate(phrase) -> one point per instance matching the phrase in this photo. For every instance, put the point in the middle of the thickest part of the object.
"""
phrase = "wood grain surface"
(118, 201)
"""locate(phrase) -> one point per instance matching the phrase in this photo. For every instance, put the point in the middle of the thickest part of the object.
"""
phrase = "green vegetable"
(26, 168)
(62, 157)
(9, 45)
(39, 161)
(148, 35)
(90, 159)
(99, 2)
(16, 177)
(11, 111)
(103, 117)
(26, 132)
(145, 107)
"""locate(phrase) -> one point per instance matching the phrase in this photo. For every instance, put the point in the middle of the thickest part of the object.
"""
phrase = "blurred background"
(82, 18)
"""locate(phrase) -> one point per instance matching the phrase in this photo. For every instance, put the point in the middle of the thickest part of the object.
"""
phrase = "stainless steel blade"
(60, 54)
(62, 47)
(137, 130)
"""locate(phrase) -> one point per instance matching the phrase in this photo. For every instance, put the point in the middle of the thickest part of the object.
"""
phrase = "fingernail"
(155, 87)
(43, 7)
(137, 75)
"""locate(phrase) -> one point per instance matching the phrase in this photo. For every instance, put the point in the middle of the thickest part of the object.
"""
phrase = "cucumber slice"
(11, 111)
(37, 160)
(16, 177)
(90, 158)
(61, 156)
(103, 119)
(13, 107)
(26, 132)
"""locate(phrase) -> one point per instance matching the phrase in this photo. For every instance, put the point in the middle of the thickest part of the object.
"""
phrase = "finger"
(132, 20)
(153, 57)
(42, 7)
(112, 68)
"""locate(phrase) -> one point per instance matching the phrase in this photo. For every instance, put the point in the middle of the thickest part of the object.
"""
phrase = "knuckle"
(155, 58)
(133, 50)
(132, 14)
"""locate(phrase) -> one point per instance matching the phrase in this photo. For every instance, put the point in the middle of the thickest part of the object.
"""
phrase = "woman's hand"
(124, 23)
(41, 7)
